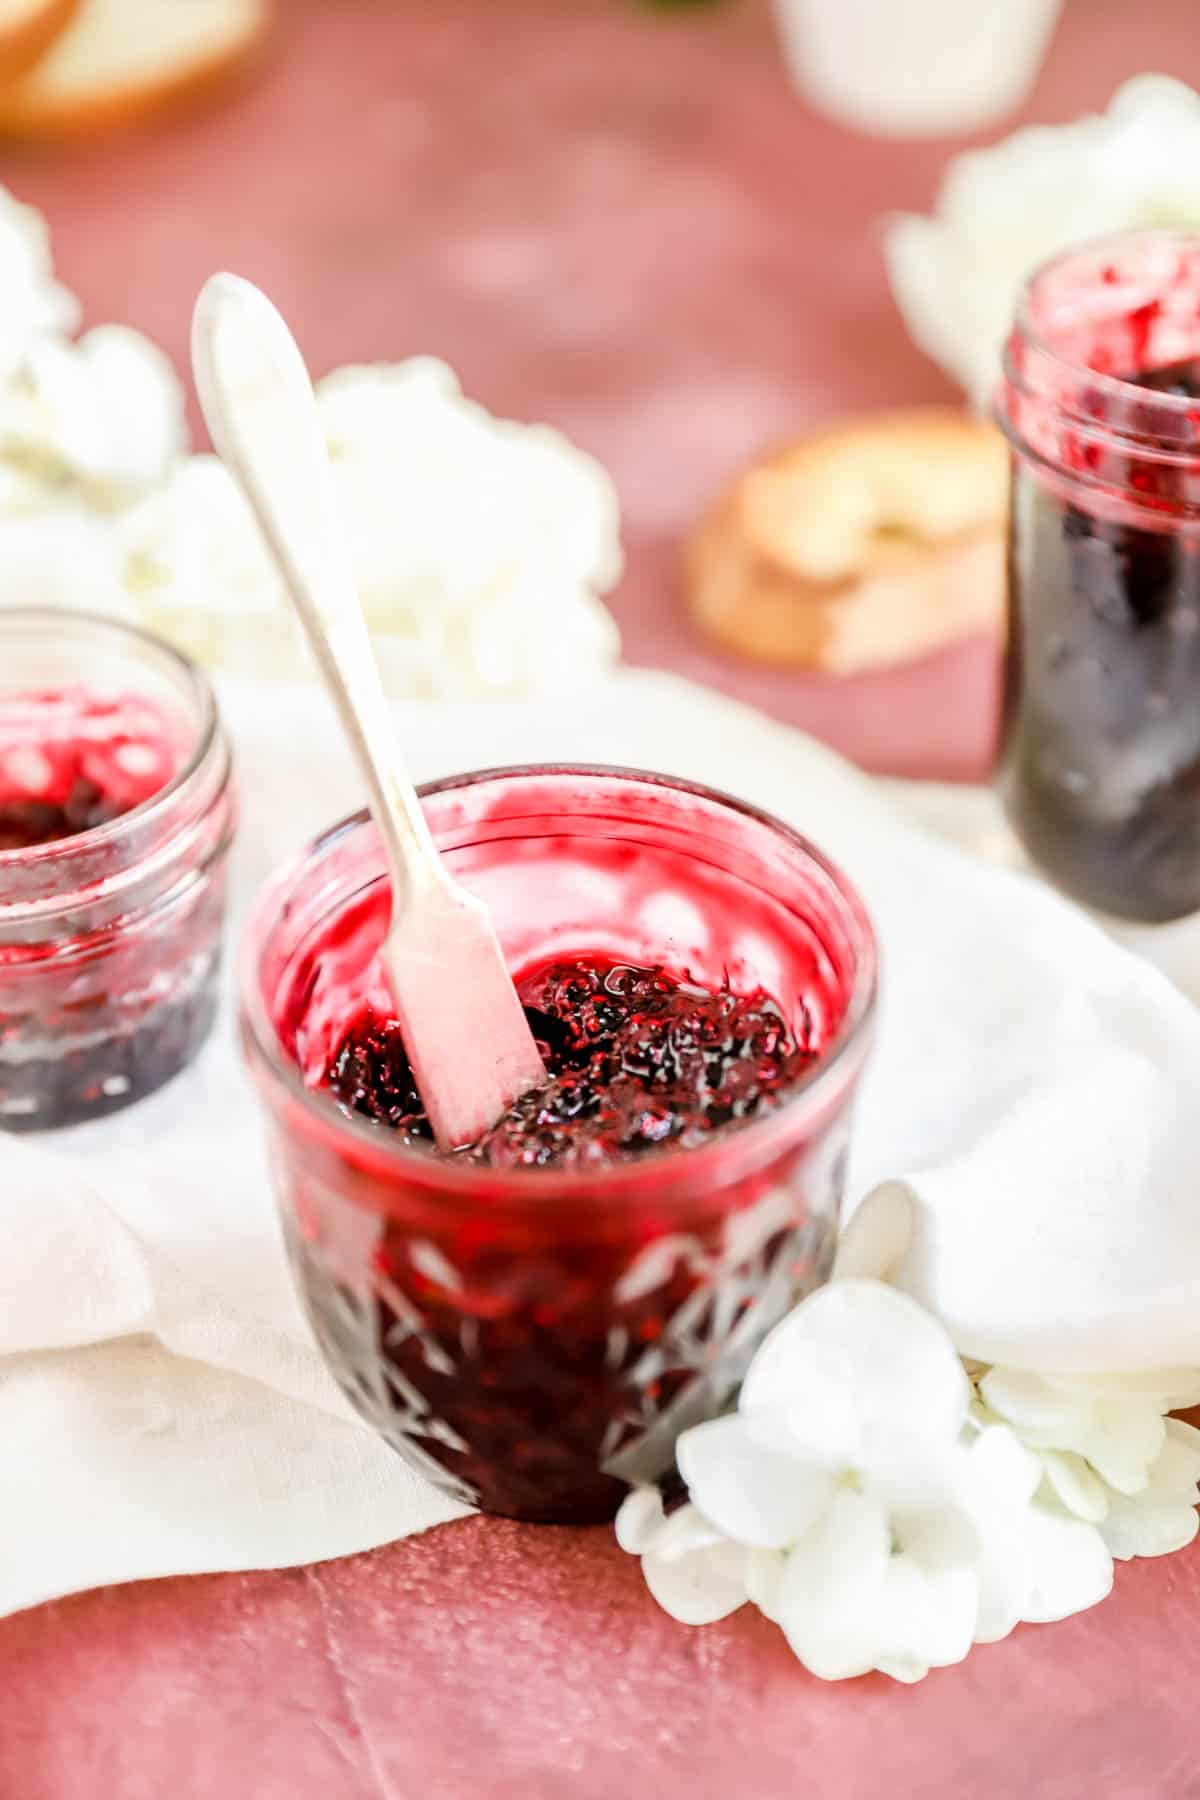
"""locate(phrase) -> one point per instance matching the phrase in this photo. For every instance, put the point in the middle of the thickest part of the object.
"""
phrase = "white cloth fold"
(162, 1408)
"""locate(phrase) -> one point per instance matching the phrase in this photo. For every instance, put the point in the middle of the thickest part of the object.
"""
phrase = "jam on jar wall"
(532, 1339)
(1101, 403)
(117, 813)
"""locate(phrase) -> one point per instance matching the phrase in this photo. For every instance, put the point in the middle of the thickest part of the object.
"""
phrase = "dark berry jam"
(537, 1379)
(71, 760)
(1102, 759)
(109, 948)
(637, 1060)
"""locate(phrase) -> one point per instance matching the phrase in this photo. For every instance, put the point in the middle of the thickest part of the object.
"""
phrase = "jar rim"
(1171, 405)
(745, 1146)
(95, 836)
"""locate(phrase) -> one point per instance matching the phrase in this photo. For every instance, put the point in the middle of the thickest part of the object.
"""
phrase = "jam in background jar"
(533, 1338)
(1101, 403)
(116, 814)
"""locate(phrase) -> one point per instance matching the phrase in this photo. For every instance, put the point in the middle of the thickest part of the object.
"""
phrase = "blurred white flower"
(32, 304)
(85, 427)
(103, 416)
(851, 1499)
(1003, 210)
(194, 566)
(62, 556)
(480, 547)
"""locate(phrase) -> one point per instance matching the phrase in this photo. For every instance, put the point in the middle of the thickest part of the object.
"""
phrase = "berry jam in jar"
(115, 817)
(531, 1320)
(1101, 403)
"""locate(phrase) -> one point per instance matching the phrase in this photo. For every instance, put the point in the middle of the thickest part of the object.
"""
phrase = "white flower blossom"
(103, 416)
(851, 1498)
(1003, 210)
(1108, 1452)
(85, 427)
(66, 555)
(479, 547)
(33, 306)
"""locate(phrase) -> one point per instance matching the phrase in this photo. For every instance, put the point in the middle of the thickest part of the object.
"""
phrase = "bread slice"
(869, 544)
(27, 30)
(119, 61)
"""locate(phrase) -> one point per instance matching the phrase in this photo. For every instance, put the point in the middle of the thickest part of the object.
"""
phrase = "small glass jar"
(110, 939)
(1101, 761)
(534, 1339)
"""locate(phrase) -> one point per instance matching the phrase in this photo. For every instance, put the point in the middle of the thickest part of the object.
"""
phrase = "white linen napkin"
(162, 1408)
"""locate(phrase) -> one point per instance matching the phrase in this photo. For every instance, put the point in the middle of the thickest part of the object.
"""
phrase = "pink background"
(631, 227)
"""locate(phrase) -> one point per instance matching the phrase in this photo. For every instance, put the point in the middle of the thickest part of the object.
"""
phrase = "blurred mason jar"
(916, 68)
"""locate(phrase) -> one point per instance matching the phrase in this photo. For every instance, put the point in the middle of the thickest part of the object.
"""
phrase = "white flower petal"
(1178, 1467)
(1071, 1566)
(32, 304)
(764, 1572)
(829, 1598)
(901, 1670)
(1162, 1517)
(825, 1431)
(1144, 1525)
(1035, 1405)
(1155, 1387)
(927, 1615)
(1125, 1440)
(1000, 1479)
(684, 1530)
(1076, 1485)
(939, 1536)
(700, 1587)
(1114, 1424)
(1005, 1471)
(639, 1520)
(753, 1493)
(1003, 1584)
(878, 1347)
(919, 1481)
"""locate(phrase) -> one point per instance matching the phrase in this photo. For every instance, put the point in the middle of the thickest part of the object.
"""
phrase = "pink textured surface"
(631, 227)
(491, 1661)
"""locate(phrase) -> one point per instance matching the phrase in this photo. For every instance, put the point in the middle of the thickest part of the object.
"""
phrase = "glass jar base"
(551, 1419)
(76, 1086)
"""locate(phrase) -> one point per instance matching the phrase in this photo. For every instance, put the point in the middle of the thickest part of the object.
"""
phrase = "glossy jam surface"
(71, 760)
(1102, 761)
(637, 1058)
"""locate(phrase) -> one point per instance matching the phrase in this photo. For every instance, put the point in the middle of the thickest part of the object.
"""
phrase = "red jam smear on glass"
(637, 1059)
(71, 760)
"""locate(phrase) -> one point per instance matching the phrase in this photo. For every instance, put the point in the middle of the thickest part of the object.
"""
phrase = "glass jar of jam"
(1100, 400)
(532, 1320)
(116, 813)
